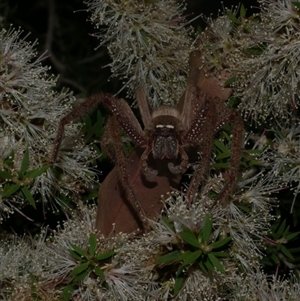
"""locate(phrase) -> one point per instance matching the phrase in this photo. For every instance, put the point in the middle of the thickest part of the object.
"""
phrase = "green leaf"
(105, 255)
(188, 236)
(223, 156)
(206, 230)
(203, 267)
(256, 50)
(79, 251)
(221, 165)
(292, 236)
(82, 275)
(26, 192)
(221, 146)
(5, 175)
(67, 293)
(178, 283)
(230, 81)
(220, 243)
(220, 254)
(75, 255)
(37, 172)
(99, 272)
(193, 257)
(168, 258)
(208, 265)
(286, 252)
(168, 223)
(25, 163)
(92, 244)
(280, 231)
(80, 268)
(286, 231)
(275, 258)
(242, 11)
(232, 17)
(10, 189)
(216, 263)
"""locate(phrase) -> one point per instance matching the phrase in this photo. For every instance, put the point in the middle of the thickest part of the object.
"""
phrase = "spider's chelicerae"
(167, 134)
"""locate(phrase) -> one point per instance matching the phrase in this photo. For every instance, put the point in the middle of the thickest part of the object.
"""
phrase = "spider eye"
(166, 126)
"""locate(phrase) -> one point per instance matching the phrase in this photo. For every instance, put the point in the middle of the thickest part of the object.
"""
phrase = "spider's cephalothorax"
(164, 135)
(168, 133)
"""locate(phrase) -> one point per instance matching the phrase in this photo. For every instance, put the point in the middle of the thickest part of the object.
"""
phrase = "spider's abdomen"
(165, 144)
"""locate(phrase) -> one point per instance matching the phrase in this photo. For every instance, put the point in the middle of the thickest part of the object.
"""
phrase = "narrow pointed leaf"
(286, 252)
(203, 267)
(230, 81)
(168, 258)
(280, 231)
(188, 236)
(242, 11)
(185, 255)
(275, 258)
(75, 255)
(82, 275)
(36, 172)
(286, 231)
(216, 263)
(79, 269)
(92, 244)
(25, 163)
(78, 250)
(208, 265)
(67, 293)
(168, 223)
(178, 283)
(99, 272)
(26, 192)
(220, 254)
(220, 243)
(5, 175)
(10, 189)
(292, 236)
(192, 258)
(232, 17)
(105, 255)
(206, 230)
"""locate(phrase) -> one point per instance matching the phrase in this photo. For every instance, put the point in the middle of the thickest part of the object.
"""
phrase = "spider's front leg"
(118, 107)
(113, 134)
(201, 132)
(226, 116)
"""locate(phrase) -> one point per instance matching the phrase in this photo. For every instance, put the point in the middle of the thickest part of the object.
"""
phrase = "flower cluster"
(261, 53)
(29, 113)
(148, 44)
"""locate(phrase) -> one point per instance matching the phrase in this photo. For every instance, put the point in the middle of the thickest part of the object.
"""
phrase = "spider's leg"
(234, 117)
(115, 131)
(182, 167)
(107, 139)
(147, 171)
(126, 119)
(201, 132)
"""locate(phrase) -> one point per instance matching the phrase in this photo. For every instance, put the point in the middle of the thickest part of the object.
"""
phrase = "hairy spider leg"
(126, 118)
(113, 134)
(227, 116)
(201, 133)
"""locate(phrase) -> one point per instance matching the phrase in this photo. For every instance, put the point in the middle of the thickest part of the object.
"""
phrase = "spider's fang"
(174, 169)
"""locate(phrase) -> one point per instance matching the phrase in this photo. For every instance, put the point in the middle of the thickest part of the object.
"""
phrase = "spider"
(168, 134)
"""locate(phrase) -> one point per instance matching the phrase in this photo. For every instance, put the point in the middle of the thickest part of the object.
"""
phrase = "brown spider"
(169, 132)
